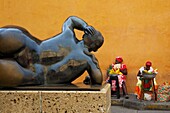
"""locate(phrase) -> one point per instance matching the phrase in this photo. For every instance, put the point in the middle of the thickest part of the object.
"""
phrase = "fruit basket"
(148, 75)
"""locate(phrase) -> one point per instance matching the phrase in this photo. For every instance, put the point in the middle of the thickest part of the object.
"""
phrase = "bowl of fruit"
(146, 74)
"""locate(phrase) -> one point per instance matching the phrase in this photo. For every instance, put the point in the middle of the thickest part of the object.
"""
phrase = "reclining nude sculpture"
(26, 60)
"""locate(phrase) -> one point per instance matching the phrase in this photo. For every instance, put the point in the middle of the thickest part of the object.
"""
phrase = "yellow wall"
(138, 30)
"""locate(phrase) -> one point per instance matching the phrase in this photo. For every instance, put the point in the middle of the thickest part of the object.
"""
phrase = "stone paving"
(134, 103)
(121, 109)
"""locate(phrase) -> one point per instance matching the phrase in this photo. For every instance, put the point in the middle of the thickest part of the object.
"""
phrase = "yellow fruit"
(145, 71)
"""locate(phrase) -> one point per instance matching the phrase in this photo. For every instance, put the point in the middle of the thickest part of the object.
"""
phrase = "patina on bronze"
(26, 60)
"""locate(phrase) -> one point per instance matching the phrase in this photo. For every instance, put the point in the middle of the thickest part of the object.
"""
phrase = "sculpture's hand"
(89, 30)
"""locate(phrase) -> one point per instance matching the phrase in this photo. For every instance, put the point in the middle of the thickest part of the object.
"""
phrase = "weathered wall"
(138, 30)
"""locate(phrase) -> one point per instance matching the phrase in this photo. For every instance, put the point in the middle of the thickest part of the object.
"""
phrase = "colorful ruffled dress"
(116, 69)
(147, 83)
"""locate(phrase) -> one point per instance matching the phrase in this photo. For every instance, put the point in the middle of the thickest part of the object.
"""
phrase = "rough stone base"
(56, 101)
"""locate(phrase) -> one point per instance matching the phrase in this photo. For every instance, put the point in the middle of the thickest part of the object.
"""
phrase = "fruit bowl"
(148, 75)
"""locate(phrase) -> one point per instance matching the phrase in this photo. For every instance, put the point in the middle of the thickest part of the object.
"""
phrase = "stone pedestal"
(50, 101)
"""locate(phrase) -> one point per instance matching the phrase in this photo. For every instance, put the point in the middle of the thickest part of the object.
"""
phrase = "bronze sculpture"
(26, 60)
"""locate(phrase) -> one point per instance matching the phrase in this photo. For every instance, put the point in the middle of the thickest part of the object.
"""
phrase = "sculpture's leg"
(12, 74)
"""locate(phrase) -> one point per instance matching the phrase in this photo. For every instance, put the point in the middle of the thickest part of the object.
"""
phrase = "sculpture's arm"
(93, 69)
(94, 59)
(95, 73)
(74, 22)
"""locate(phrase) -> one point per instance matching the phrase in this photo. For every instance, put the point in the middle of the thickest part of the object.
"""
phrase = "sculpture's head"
(93, 42)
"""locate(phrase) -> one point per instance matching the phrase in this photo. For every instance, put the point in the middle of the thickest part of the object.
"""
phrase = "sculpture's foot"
(87, 80)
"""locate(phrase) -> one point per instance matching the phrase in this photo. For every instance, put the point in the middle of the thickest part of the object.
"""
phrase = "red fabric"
(123, 66)
(148, 63)
(123, 77)
(148, 84)
(119, 59)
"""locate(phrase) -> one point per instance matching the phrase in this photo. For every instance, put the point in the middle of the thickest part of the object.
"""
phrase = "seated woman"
(120, 70)
(147, 85)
